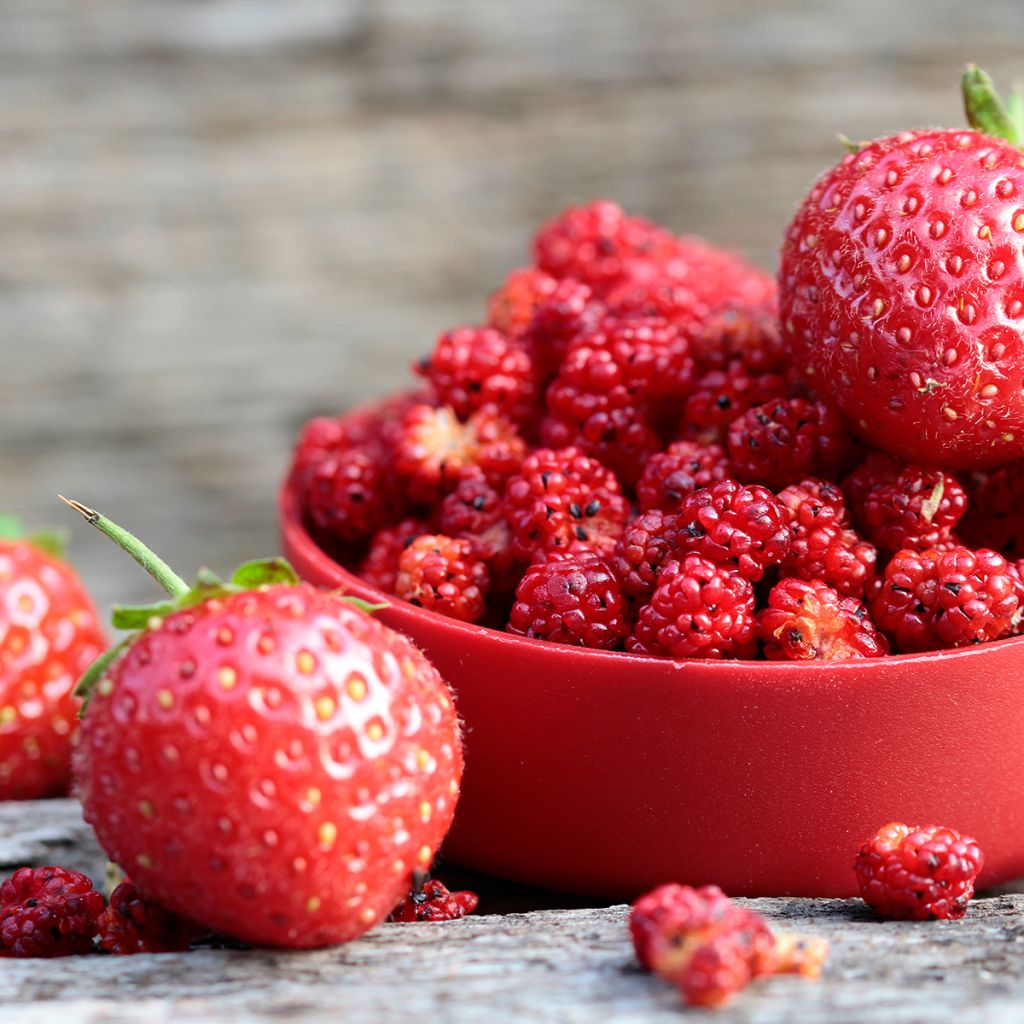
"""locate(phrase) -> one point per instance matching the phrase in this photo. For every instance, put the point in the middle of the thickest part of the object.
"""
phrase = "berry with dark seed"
(352, 493)
(513, 305)
(562, 317)
(736, 525)
(49, 635)
(698, 610)
(918, 873)
(380, 565)
(445, 575)
(744, 333)
(133, 923)
(647, 543)
(808, 620)
(574, 599)
(436, 450)
(657, 297)
(433, 902)
(948, 598)
(685, 466)
(475, 512)
(815, 500)
(48, 912)
(994, 517)
(476, 367)
(717, 277)
(723, 393)
(561, 497)
(783, 441)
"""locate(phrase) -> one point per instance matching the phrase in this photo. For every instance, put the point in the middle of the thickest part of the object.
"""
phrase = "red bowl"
(606, 773)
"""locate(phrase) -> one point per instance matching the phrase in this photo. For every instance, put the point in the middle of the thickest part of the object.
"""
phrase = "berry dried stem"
(149, 560)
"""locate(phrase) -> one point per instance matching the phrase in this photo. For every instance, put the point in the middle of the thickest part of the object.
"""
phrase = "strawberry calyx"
(50, 542)
(987, 112)
(250, 576)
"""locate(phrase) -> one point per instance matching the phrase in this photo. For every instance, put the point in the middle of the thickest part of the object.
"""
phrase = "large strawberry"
(49, 634)
(902, 288)
(265, 757)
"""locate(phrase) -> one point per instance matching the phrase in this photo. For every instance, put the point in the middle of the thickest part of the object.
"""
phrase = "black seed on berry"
(574, 511)
(593, 508)
(581, 534)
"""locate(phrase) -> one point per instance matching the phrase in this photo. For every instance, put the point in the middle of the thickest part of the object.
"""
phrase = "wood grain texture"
(557, 966)
(221, 216)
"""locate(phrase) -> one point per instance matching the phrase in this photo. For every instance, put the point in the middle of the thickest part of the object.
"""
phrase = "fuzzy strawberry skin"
(902, 287)
(49, 635)
(273, 764)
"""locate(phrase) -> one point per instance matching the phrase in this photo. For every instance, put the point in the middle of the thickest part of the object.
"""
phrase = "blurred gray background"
(219, 217)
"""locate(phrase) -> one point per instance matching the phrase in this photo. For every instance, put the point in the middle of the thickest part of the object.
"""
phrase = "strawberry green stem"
(153, 564)
(985, 108)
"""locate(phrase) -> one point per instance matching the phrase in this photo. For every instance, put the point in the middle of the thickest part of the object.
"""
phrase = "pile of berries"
(629, 455)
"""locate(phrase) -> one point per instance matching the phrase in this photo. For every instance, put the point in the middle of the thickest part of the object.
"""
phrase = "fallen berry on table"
(132, 923)
(48, 912)
(920, 873)
(796, 953)
(433, 902)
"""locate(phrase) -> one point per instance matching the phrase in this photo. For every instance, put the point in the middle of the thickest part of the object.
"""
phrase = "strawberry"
(49, 634)
(902, 289)
(266, 758)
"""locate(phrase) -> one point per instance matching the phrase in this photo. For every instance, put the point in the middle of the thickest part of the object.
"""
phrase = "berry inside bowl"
(607, 773)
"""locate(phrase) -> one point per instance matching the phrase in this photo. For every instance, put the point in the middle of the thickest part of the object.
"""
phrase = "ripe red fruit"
(724, 392)
(647, 543)
(715, 972)
(902, 288)
(807, 620)
(948, 598)
(558, 320)
(380, 565)
(995, 511)
(351, 493)
(671, 475)
(443, 574)
(918, 873)
(49, 635)
(265, 757)
(572, 599)
(698, 610)
(133, 923)
(513, 305)
(47, 912)
(747, 333)
(433, 902)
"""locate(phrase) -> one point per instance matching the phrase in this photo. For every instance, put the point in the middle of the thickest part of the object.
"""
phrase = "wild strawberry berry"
(735, 525)
(575, 599)
(444, 575)
(949, 598)
(49, 635)
(474, 511)
(698, 610)
(918, 873)
(647, 543)
(48, 912)
(133, 923)
(657, 297)
(747, 334)
(352, 493)
(808, 620)
(476, 367)
(380, 565)
(435, 450)
(682, 468)
(513, 305)
(563, 316)
(716, 276)
(715, 971)
(433, 902)
(597, 244)
(560, 498)
(817, 500)
(994, 517)
(723, 393)
(783, 441)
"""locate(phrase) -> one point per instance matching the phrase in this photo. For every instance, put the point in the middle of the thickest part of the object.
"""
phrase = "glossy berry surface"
(433, 902)
(647, 543)
(133, 923)
(512, 306)
(273, 764)
(683, 467)
(918, 873)
(902, 287)
(572, 599)
(445, 575)
(48, 912)
(49, 635)
(351, 493)
(379, 567)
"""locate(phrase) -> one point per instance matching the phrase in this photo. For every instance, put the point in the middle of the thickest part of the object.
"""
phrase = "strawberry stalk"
(986, 110)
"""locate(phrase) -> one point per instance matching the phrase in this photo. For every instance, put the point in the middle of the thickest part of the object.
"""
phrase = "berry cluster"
(710, 947)
(628, 456)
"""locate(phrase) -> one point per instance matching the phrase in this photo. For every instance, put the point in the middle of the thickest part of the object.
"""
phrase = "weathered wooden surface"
(555, 965)
(219, 216)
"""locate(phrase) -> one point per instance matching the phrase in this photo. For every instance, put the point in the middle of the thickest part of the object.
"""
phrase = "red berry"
(918, 873)
(274, 764)
(575, 599)
(724, 392)
(562, 317)
(657, 297)
(646, 544)
(717, 277)
(443, 574)
(807, 620)
(783, 441)
(1017, 575)
(994, 518)
(49, 635)
(813, 499)
(796, 953)
(735, 525)
(351, 493)
(948, 598)
(560, 498)
(685, 466)
(513, 305)
(476, 367)
(698, 610)
(380, 566)
(744, 334)
(474, 511)
(715, 972)
(135, 924)
(902, 288)
(47, 912)
(433, 902)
